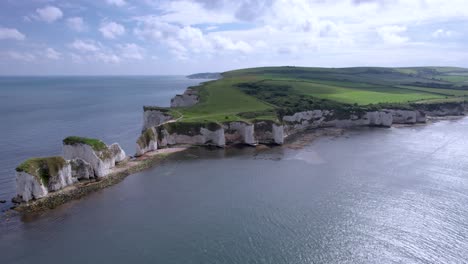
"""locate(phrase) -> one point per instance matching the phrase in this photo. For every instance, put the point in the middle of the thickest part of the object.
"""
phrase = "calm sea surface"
(36, 113)
(396, 195)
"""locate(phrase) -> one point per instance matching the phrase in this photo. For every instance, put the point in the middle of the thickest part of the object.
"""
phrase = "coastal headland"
(248, 107)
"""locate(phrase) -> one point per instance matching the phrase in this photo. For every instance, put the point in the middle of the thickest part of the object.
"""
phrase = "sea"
(369, 195)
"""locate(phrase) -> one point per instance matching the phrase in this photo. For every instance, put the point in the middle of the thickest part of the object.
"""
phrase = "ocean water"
(36, 113)
(374, 195)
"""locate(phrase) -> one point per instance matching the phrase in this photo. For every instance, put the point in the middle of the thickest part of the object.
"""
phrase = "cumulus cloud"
(85, 45)
(118, 3)
(112, 30)
(90, 50)
(184, 41)
(21, 56)
(52, 54)
(49, 14)
(131, 51)
(11, 33)
(442, 33)
(76, 24)
(392, 34)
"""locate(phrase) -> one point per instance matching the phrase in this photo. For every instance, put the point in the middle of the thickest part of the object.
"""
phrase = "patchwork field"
(266, 93)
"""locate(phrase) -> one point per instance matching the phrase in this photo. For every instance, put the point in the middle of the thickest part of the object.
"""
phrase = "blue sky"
(94, 37)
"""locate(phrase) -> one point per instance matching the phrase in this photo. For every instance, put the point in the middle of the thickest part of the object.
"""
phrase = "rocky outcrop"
(155, 116)
(37, 177)
(148, 141)
(443, 109)
(28, 187)
(117, 152)
(268, 132)
(407, 116)
(239, 133)
(326, 118)
(191, 134)
(81, 170)
(93, 151)
(188, 98)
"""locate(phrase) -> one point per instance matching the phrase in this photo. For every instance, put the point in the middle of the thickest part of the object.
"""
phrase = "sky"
(160, 37)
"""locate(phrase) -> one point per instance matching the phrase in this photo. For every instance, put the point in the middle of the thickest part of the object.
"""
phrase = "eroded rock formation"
(188, 98)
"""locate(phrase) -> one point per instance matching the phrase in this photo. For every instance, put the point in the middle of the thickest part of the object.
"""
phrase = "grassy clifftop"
(42, 168)
(266, 93)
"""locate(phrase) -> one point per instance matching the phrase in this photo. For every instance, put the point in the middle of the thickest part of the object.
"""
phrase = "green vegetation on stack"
(95, 144)
(269, 93)
(42, 168)
(146, 137)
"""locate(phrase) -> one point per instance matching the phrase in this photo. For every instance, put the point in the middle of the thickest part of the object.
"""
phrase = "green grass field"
(262, 93)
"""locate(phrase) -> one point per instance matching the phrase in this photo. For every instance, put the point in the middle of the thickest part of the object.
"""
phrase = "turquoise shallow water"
(36, 113)
(374, 195)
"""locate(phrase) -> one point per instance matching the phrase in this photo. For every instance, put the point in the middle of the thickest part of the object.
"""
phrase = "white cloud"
(49, 14)
(11, 33)
(85, 45)
(76, 24)
(52, 54)
(106, 57)
(131, 51)
(21, 56)
(112, 30)
(90, 50)
(441, 33)
(116, 2)
(392, 34)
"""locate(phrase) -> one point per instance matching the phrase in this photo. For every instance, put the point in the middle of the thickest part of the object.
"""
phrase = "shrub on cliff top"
(96, 144)
(189, 128)
(42, 168)
(154, 108)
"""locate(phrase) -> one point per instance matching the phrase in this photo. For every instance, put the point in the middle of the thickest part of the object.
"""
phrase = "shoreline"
(154, 158)
(83, 188)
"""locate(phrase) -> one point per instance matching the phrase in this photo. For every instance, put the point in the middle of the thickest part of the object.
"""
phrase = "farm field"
(264, 93)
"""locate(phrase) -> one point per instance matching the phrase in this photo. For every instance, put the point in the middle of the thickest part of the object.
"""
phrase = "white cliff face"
(29, 187)
(147, 142)
(448, 109)
(379, 118)
(407, 116)
(305, 120)
(189, 98)
(204, 137)
(62, 179)
(101, 163)
(152, 118)
(239, 133)
(267, 132)
(214, 137)
(118, 152)
(81, 170)
(278, 134)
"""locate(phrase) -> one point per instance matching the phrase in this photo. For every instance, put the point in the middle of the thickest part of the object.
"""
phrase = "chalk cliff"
(155, 116)
(239, 133)
(101, 157)
(36, 177)
(147, 142)
(188, 98)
